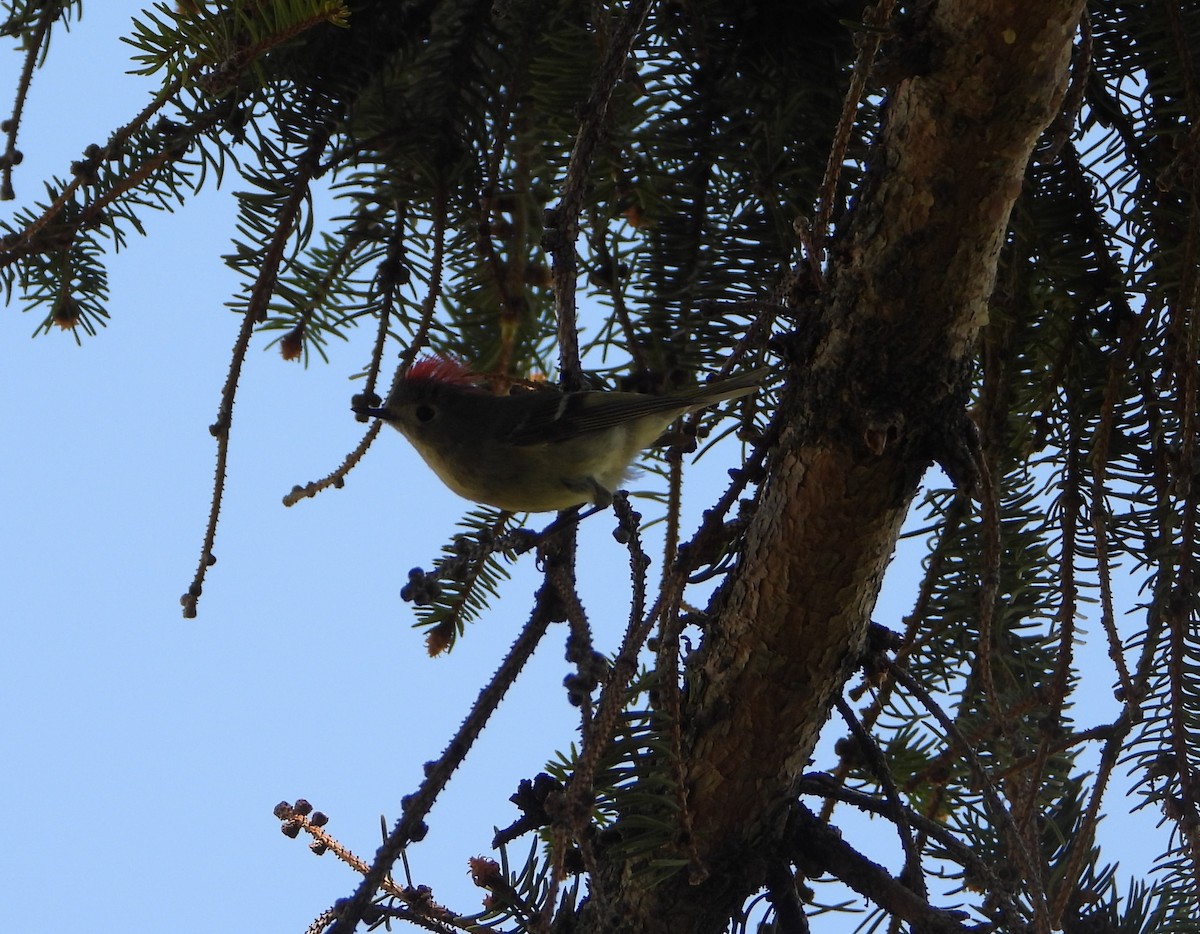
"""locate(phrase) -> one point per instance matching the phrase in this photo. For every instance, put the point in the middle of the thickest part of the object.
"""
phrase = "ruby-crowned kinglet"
(535, 450)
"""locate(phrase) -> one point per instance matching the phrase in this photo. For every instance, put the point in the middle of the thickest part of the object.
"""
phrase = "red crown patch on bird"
(437, 369)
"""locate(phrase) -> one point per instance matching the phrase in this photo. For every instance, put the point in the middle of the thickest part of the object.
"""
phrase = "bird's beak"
(369, 410)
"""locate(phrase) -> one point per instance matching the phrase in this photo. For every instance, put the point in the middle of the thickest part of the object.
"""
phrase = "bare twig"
(999, 811)
(875, 19)
(912, 875)
(411, 825)
(565, 215)
(34, 48)
(337, 477)
(256, 308)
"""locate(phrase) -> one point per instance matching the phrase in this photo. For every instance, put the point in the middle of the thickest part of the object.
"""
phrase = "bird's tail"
(735, 386)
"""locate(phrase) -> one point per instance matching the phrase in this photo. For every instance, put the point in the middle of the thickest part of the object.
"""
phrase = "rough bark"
(880, 395)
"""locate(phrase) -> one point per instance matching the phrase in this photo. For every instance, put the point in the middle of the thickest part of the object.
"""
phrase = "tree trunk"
(880, 394)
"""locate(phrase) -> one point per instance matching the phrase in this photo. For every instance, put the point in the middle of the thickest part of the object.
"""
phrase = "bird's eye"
(425, 413)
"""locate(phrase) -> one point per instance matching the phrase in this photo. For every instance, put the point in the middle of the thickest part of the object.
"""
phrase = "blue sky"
(145, 752)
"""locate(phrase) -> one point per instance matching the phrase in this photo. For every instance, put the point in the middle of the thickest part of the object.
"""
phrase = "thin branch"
(1071, 866)
(875, 19)
(256, 307)
(411, 826)
(669, 701)
(912, 874)
(611, 267)
(565, 215)
(1098, 507)
(999, 812)
(421, 911)
(35, 45)
(989, 584)
(613, 697)
(560, 572)
(337, 477)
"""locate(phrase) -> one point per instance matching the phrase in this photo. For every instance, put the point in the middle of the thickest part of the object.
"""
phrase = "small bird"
(535, 450)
